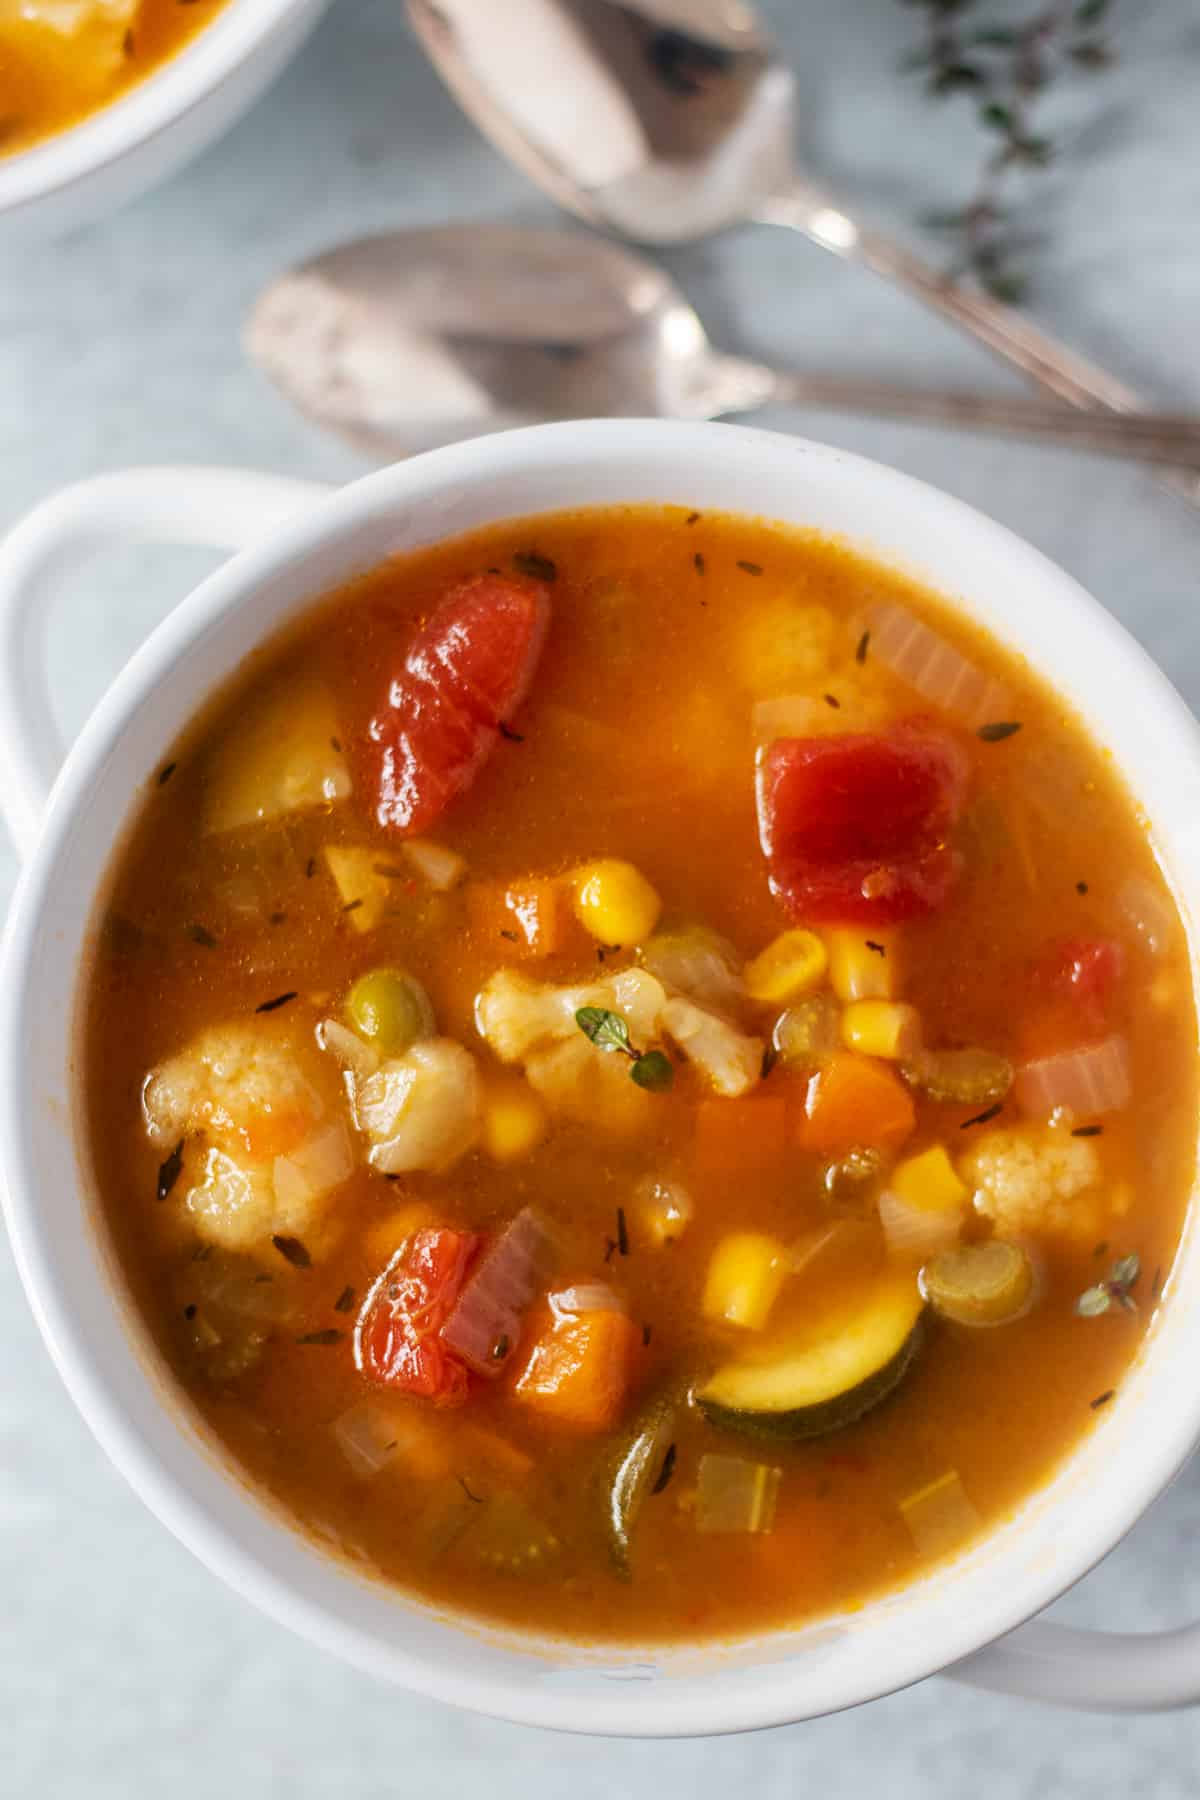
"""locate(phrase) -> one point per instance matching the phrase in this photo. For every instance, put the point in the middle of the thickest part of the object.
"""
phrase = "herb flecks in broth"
(599, 1124)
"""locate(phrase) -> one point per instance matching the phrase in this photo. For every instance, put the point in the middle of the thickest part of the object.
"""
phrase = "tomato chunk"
(854, 827)
(396, 1341)
(1074, 987)
(465, 674)
(1085, 972)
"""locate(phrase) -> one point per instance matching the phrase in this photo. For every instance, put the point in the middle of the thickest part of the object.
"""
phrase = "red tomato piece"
(853, 827)
(396, 1341)
(1074, 984)
(465, 674)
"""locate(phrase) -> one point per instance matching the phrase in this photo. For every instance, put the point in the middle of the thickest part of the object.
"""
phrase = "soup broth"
(61, 60)
(658, 1132)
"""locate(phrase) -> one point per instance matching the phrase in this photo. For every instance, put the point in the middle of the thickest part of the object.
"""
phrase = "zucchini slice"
(802, 1386)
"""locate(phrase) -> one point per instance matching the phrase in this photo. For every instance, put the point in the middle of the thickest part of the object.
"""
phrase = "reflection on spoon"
(418, 337)
(664, 120)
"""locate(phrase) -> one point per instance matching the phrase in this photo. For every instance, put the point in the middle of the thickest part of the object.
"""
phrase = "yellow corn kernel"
(744, 1279)
(615, 902)
(858, 971)
(514, 1122)
(929, 1182)
(382, 1239)
(788, 968)
(882, 1028)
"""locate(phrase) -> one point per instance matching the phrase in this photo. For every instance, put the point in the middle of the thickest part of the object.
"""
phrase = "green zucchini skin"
(824, 1416)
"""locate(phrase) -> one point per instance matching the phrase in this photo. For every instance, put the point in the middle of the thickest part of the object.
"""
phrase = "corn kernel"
(929, 1182)
(882, 1028)
(858, 971)
(514, 1122)
(744, 1279)
(615, 902)
(788, 968)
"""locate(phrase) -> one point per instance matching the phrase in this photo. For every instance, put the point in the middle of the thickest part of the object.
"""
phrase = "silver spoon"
(416, 337)
(664, 120)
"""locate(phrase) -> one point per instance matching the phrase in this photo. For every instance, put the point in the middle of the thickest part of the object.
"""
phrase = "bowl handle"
(1095, 1671)
(222, 508)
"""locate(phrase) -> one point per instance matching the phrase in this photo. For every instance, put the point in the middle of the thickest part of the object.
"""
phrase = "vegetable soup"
(61, 60)
(642, 1072)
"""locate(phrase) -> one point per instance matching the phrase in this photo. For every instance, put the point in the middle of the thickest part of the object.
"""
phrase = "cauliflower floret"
(729, 1059)
(422, 1110)
(242, 1083)
(260, 1157)
(578, 1082)
(515, 1014)
(1043, 1180)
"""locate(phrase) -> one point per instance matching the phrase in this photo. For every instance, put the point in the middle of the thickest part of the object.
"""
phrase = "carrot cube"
(580, 1370)
(732, 1134)
(523, 919)
(855, 1101)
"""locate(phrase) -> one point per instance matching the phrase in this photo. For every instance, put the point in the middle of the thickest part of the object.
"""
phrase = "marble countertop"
(125, 1671)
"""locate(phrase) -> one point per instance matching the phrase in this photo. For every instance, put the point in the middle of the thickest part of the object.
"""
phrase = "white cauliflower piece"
(1037, 1180)
(258, 1161)
(730, 1060)
(579, 1082)
(244, 1082)
(514, 1013)
(534, 1023)
(233, 1203)
(422, 1110)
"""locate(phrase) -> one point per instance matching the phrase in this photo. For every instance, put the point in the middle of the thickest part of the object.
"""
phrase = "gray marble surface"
(125, 1670)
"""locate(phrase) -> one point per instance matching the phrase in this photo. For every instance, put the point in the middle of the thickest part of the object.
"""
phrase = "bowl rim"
(252, 1556)
(151, 107)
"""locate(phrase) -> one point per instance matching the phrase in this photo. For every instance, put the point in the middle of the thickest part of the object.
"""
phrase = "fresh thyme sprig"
(1003, 67)
(608, 1031)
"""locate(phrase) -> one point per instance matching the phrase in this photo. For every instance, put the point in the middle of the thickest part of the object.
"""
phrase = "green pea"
(390, 1010)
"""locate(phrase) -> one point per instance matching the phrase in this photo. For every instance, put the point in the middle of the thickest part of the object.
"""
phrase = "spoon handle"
(804, 207)
(1170, 439)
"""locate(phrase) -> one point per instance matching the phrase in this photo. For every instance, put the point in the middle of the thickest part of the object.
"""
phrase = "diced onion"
(917, 1231)
(321, 1163)
(939, 673)
(698, 963)
(940, 1517)
(441, 867)
(735, 1495)
(366, 1436)
(1150, 913)
(346, 1047)
(1088, 1081)
(586, 1297)
(486, 1321)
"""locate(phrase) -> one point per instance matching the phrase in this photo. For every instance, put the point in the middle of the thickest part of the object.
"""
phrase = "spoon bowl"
(417, 337)
(665, 120)
(421, 337)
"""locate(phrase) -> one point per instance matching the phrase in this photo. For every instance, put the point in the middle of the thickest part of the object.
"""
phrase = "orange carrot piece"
(855, 1101)
(523, 919)
(732, 1134)
(580, 1370)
